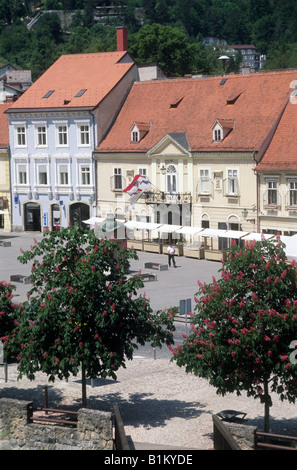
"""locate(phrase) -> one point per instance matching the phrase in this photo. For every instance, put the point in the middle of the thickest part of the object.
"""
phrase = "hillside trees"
(245, 326)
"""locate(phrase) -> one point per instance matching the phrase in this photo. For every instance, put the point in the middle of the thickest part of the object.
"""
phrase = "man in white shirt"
(171, 253)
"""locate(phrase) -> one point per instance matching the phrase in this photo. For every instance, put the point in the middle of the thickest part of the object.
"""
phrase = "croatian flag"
(137, 187)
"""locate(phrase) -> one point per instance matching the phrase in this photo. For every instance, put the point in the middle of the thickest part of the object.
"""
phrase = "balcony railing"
(167, 198)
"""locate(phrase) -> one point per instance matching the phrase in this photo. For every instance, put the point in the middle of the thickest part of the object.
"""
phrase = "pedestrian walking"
(171, 254)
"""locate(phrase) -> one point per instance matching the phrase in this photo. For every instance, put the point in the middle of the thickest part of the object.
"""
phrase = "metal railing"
(273, 441)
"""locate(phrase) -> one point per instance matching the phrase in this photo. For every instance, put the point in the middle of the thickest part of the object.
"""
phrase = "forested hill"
(166, 31)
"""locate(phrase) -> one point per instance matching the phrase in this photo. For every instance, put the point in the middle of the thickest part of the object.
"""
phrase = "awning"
(189, 230)
(257, 236)
(233, 234)
(167, 228)
(134, 225)
(209, 232)
(93, 220)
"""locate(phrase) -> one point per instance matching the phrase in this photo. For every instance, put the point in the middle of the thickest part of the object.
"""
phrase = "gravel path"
(159, 403)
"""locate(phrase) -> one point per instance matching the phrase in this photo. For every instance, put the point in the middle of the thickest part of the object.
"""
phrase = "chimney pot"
(122, 39)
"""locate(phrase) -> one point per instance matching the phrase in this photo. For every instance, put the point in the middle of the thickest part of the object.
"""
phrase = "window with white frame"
(84, 134)
(292, 192)
(217, 135)
(20, 135)
(85, 175)
(22, 174)
(62, 135)
(41, 137)
(271, 195)
(135, 136)
(171, 179)
(42, 174)
(117, 179)
(204, 186)
(143, 172)
(232, 182)
(63, 174)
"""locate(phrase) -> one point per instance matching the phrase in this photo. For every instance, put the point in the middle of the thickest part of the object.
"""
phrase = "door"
(55, 217)
(32, 217)
(171, 179)
(79, 212)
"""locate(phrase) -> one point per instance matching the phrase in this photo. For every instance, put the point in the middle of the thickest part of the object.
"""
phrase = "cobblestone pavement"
(161, 406)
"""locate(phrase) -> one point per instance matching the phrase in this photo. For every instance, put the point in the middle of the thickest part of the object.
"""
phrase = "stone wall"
(243, 434)
(94, 430)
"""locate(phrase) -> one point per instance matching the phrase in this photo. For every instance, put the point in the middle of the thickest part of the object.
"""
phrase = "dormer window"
(217, 135)
(221, 128)
(135, 136)
(139, 131)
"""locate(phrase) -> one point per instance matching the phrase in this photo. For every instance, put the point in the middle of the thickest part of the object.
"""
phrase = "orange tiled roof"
(198, 103)
(4, 135)
(96, 73)
(282, 152)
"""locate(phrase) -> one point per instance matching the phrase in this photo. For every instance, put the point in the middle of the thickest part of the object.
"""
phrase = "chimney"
(122, 39)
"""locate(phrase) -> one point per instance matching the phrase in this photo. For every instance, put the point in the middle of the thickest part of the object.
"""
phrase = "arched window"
(171, 179)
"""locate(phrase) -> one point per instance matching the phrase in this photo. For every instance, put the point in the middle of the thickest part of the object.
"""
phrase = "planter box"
(194, 253)
(153, 247)
(179, 250)
(135, 244)
(215, 255)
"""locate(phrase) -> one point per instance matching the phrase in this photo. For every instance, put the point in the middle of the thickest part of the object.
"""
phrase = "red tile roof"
(198, 102)
(282, 152)
(4, 135)
(96, 73)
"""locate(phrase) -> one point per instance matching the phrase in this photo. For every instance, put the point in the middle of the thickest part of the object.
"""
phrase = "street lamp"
(224, 59)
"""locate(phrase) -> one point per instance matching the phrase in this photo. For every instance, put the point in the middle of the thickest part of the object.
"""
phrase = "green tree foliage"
(82, 310)
(245, 326)
(165, 45)
(8, 310)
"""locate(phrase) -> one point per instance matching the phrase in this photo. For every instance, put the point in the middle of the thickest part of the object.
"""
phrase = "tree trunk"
(267, 404)
(84, 386)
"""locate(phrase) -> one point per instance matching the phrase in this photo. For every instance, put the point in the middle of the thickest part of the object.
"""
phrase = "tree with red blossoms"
(245, 326)
(83, 312)
(8, 310)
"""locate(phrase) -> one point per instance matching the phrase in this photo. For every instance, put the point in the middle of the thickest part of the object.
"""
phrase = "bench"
(19, 278)
(3, 243)
(159, 266)
(148, 277)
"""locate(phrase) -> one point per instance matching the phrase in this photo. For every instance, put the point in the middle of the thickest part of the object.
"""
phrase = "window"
(42, 174)
(85, 175)
(232, 182)
(63, 175)
(171, 179)
(204, 181)
(293, 193)
(143, 172)
(21, 136)
(22, 174)
(84, 134)
(41, 136)
(117, 174)
(135, 136)
(62, 135)
(272, 192)
(217, 135)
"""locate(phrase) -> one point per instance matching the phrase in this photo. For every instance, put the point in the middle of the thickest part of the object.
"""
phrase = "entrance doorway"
(55, 217)
(32, 217)
(79, 212)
